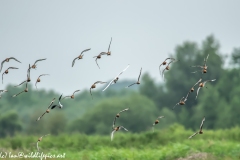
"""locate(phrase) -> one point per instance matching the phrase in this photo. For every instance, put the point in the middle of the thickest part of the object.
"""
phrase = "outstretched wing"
(114, 121)
(122, 71)
(208, 81)
(205, 60)
(39, 60)
(140, 74)
(193, 135)
(112, 134)
(74, 61)
(187, 96)
(66, 97)
(2, 77)
(43, 75)
(108, 84)
(85, 51)
(109, 45)
(37, 146)
(123, 110)
(2, 64)
(17, 94)
(197, 92)
(160, 117)
(131, 85)
(201, 126)
(59, 99)
(21, 83)
(51, 103)
(76, 91)
(14, 59)
(91, 92)
(99, 82)
(123, 128)
(175, 105)
(40, 116)
(197, 82)
(97, 63)
(12, 68)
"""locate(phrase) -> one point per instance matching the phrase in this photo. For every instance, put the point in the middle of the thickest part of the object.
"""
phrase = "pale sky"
(144, 33)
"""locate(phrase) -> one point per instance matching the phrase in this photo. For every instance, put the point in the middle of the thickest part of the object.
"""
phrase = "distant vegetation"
(219, 102)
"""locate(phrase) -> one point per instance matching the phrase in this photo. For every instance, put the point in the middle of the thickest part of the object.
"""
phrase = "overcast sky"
(144, 33)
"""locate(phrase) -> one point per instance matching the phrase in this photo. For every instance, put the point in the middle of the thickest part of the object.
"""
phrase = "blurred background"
(144, 34)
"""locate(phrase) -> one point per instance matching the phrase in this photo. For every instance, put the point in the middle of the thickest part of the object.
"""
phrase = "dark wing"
(2, 65)
(40, 116)
(201, 126)
(39, 60)
(75, 91)
(131, 85)
(102, 53)
(17, 94)
(193, 135)
(14, 59)
(43, 75)
(21, 83)
(28, 71)
(140, 74)
(12, 68)
(60, 98)
(91, 92)
(53, 106)
(85, 51)
(74, 61)
(97, 63)
(109, 45)
(2, 77)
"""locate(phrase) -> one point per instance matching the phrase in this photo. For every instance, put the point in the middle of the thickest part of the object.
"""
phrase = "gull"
(80, 56)
(51, 106)
(72, 96)
(117, 129)
(1, 92)
(157, 121)
(204, 67)
(164, 63)
(167, 68)
(138, 82)
(202, 84)
(6, 71)
(99, 57)
(182, 101)
(7, 60)
(117, 116)
(39, 80)
(200, 131)
(109, 52)
(40, 139)
(34, 66)
(28, 77)
(94, 86)
(115, 79)
(25, 90)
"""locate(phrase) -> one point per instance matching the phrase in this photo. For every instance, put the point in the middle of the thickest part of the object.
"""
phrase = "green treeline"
(218, 102)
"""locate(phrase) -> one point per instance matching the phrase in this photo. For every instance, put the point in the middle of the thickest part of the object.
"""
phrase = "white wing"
(112, 135)
(37, 146)
(108, 84)
(198, 91)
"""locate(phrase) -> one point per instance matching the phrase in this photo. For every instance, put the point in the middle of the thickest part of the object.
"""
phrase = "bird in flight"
(99, 57)
(157, 121)
(203, 68)
(200, 131)
(34, 66)
(117, 116)
(28, 77)
(80, 56)
(94, 86)
(72, 96)
(164, 63)
(202, 84)
(51, 106)
(138, 81)
(192, 89)
(182, 101)
(109, 52)
(6, 71)
(117, 129)
(25, 90)
(39, 80)
(39, 140)
(115, 79)
(7, 60)
(167, 68)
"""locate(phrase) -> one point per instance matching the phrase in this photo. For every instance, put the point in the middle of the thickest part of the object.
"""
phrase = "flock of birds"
(166, 62)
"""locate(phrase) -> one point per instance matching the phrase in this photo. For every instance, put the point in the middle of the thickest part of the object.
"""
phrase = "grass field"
(167, 144)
